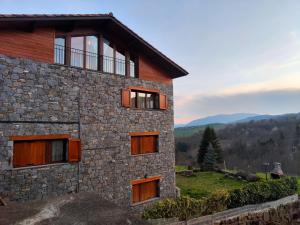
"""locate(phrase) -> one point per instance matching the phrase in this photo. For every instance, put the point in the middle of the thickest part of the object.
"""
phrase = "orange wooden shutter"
(38, 152)
(126, 98)
(135, 193)
(21, 154)
(74, 150)
(151, 190)
(162, 101)
(148, 144)
(148, 190)
(135, 145)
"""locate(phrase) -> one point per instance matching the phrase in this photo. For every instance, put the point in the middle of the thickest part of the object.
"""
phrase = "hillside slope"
(248, 145)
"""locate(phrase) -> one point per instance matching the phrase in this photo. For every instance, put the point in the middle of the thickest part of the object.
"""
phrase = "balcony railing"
(94, 61)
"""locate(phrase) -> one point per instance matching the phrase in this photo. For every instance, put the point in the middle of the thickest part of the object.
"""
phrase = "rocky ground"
(79, 209)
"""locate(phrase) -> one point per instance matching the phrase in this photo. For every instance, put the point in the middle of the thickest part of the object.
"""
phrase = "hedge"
(260, 192)
(252, 193)
(186, 207)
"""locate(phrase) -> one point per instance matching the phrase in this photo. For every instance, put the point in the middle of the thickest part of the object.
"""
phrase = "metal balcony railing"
(91, 60)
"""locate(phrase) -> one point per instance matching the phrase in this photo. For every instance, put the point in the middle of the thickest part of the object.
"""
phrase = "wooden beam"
(140, 181)
(39, 137)
(127, 64)
(139, 88)
(144, 133)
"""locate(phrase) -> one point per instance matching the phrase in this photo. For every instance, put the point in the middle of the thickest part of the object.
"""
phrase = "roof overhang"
(108, 21)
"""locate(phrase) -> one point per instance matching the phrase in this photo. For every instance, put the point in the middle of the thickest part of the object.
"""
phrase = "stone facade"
(39, 98)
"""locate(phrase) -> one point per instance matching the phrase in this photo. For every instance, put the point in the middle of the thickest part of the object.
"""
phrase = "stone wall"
(285, 211)
(40, 98)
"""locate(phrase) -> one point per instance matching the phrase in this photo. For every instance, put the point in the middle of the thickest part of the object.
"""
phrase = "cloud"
(263, 102)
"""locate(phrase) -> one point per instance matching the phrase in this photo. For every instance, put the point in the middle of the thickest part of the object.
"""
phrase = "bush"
(253, 193)
(260, 192)
(186, 207)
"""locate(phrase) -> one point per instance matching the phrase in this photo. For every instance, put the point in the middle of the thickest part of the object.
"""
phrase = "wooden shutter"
(135, 193)
(148, 190)
(148, 144)
(126, 98)
(135, 145)
(162, 101)
(38, 152)
(21, 154)
(74, 150)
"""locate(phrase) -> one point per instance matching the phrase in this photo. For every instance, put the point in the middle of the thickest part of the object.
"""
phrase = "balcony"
(93, 61)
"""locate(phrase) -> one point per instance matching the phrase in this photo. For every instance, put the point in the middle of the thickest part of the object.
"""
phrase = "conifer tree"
(209, 138)
(204, 145)
(209, 160)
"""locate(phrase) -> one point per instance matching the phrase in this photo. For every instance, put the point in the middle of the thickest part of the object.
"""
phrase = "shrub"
(260, 192)
(182, 208)
(186, 207)
(253, 193)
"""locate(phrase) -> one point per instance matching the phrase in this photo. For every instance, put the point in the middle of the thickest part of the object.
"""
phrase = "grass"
(180, 168)
(205, 183)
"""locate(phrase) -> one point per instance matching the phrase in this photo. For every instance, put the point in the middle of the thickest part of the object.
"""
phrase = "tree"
(210, 138)
(204, 145)
(216, 146)
(209, 160)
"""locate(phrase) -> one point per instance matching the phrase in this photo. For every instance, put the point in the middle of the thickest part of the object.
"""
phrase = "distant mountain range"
(226, 119)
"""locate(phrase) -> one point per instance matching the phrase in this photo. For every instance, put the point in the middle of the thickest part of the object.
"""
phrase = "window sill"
(146, 109)
(144, 202)
(39, 166)
(145, 154)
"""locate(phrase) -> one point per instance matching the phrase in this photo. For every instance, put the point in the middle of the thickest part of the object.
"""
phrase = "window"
(46, 149)
(84, 52)
(145, 189)
(132, 67)
(144, 100)
(59, 50)
(91, 53)
(143, 143)
(108, 56)
(120, 62)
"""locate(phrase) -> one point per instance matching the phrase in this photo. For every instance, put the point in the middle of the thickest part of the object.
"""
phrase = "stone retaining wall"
(284, 211)
(39, 98)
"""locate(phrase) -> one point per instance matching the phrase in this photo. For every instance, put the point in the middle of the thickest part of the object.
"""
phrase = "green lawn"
(180, 168)
(205, 183)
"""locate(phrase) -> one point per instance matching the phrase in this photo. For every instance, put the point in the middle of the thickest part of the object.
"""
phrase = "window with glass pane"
(120, 63)
(141, 100)
(58, 151)
(59, 51)
(108, 56)
(133, 100)
(91, 52)
(150, 101)
(132, 68)
(77, 52)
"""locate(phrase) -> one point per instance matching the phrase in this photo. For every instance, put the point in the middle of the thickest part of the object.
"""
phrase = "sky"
(242, 56)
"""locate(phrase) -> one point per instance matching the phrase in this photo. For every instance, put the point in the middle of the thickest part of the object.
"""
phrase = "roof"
(107, 20)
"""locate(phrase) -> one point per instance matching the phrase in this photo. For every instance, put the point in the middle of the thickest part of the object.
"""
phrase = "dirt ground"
(75, 209)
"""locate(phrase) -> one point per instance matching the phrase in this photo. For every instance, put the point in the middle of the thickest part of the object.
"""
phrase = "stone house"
(85, 105)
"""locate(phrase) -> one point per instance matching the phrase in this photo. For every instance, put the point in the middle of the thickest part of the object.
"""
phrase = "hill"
(189, 131)
(222, 118)
(247, 145)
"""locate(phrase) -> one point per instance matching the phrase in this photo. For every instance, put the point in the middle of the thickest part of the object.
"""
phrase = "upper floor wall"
(37, 45)
(86, 48)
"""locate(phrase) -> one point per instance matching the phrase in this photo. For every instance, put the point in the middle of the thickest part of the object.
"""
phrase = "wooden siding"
(37, 45)
(150, 71)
